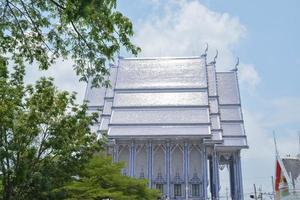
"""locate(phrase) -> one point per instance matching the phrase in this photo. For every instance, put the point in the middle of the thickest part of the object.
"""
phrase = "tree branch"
(18, 23)
(4, 10)
(41, 147)
(35, 27)
(79, 35)
(58, 5)
(16, 7)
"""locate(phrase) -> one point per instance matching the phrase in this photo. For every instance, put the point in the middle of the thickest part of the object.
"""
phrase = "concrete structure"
(174, 121)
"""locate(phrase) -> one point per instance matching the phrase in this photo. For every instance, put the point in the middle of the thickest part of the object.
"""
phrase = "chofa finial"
(237, 63)
(216, 56)
(206, 49)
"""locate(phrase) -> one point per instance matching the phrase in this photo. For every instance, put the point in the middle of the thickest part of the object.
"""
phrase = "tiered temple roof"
(170, 97)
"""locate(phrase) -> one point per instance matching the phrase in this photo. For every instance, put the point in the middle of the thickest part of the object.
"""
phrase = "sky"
(265, 37)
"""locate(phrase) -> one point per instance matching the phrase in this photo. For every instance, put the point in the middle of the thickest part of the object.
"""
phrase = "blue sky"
(272, 42)
(264, 35)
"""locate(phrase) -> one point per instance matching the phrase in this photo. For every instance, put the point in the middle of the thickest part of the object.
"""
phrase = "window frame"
(195, 189)
(177, 190)
(160, 187)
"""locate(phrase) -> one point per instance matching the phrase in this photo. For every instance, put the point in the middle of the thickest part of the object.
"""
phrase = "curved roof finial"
(237, 63)
(205, 51)
(206, 48)
(216, 56)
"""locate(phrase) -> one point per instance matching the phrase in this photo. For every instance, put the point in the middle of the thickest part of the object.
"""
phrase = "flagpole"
(275, 143)
(299, 142)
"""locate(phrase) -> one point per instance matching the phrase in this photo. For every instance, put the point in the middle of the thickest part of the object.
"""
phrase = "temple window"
(177, 190)
(195, 190)
(160, 187)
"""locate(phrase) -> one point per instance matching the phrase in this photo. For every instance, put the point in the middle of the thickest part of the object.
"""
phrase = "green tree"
(101, 179)
(45, 138)
(89, 31)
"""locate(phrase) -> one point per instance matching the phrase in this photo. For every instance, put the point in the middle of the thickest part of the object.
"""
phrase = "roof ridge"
(161, 58)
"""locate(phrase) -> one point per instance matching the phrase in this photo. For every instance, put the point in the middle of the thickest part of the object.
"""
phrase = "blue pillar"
(132, 158)
(216, 183)
(205, 175)
(239, 176)
(168, 168)
(150, 163)
(234, 176)
(232, 179)
(186, 169)
(116, 153)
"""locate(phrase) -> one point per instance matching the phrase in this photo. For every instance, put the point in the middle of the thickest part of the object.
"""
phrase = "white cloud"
(287, 110)
(64, 75)
(184, 29)
(248, 77)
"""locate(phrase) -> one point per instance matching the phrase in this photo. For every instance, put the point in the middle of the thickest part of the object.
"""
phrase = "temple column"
(236, 187)
(214, 176)
(186, 169)
(150, 163)
(168, 168)
(217, 176)
(239, 176)
(132, 158)
(232, 178)
(116, 153)
(205, 175)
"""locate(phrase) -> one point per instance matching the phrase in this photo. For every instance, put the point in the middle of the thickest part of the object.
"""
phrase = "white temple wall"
(141, 161)
(124, 155)
(177, 161)
(187, 166)
(159, 161)
(195, 162)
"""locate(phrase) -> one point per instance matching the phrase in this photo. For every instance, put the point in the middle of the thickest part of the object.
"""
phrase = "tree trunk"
(8, 190)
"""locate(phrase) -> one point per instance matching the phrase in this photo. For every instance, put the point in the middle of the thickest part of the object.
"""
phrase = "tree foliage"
(44, 136)
(90, 31)
(101, 179)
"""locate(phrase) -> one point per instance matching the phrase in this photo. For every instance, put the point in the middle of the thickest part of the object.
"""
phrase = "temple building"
(174, 121)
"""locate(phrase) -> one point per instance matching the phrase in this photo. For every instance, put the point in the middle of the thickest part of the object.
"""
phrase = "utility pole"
(255, 194)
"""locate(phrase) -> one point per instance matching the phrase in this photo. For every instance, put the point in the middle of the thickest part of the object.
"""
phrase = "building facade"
(174, 121)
